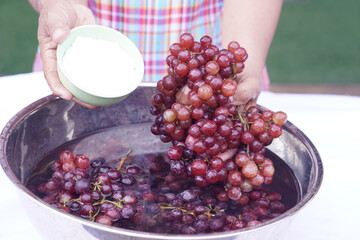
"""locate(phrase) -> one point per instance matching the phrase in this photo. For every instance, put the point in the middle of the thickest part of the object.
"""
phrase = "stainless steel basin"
(50, 122)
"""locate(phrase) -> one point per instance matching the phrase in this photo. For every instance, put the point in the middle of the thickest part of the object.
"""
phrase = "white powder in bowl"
(100, 67)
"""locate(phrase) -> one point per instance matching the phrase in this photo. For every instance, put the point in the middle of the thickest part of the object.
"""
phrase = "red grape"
(186, 40)
(241, 159)
(205, 92)
(209, 128)
(205, 41)
(199, 168)
(66, 156)
(250, 169)
(175, 48)
(169, 115)
(279, 118)
(229, 87)
(212, 67)
(233, 45)
(82, 161)
(240, 54)
(181, 69)
(275, 130)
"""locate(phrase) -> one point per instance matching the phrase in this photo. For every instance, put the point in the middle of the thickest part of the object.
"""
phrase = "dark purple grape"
(177, 167)
(133, 170)
(87, 210)
(200, 225)
(188, 219)
(74, 206)
(82, 185)
(127, 211)
(128, 180)
(215, 224)
(113, 213)
(97, 162)
(187, 196)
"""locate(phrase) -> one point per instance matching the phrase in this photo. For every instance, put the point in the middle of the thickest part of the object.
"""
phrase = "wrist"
(253, 68)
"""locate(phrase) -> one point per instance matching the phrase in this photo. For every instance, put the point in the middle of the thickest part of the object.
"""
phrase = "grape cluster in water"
(141, 193)
(207, 124)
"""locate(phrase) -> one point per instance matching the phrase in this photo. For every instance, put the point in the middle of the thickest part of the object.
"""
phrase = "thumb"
(182, 95)
(60, 34)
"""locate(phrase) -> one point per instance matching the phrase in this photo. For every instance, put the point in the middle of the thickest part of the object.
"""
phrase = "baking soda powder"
(99, 67)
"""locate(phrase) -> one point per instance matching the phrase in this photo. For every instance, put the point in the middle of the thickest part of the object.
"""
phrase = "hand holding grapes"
(225, 72)
(247, 92)
(195, 111)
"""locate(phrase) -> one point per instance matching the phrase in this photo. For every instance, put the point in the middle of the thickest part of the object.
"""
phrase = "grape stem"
(97, 186)
(116, 204)
(74, 200)
(123, 160)
(166, 206)
(246, 126)
(212, 212)
(92, 218)
(100, 202)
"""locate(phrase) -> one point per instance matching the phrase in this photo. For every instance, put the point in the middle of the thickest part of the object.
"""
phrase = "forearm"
(252, 23)
(39, 4)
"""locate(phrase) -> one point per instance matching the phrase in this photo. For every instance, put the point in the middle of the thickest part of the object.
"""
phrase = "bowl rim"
(314, 187)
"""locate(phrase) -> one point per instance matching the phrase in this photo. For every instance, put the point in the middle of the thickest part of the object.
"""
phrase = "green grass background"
(316, 41)
(18, 41)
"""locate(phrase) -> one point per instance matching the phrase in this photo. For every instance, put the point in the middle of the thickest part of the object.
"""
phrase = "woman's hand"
(56, 20)
(247, 93)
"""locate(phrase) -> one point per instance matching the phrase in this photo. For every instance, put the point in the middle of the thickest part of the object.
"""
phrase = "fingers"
(55, 84)
(247, 92)
(48, 55)
(60, 33)
(182, 95)
(84, 104)
(228, 154)
(57, 19)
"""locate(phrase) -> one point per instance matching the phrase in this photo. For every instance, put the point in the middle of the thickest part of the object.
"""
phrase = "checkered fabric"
(154, 24)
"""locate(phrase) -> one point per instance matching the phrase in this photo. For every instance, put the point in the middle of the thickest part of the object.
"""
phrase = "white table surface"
(331, 122)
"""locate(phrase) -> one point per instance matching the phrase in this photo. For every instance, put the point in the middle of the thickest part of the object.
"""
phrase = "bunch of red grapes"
(192, 188)
(207, 124)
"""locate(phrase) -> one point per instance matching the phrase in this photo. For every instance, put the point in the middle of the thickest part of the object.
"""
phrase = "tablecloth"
(331, 122)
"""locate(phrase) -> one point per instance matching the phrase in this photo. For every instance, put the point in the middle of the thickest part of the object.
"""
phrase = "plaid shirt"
(153, 25)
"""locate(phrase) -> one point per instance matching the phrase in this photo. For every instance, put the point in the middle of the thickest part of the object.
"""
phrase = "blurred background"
(316, 48)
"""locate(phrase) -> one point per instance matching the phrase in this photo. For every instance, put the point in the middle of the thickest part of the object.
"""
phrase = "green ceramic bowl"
(104, 33)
